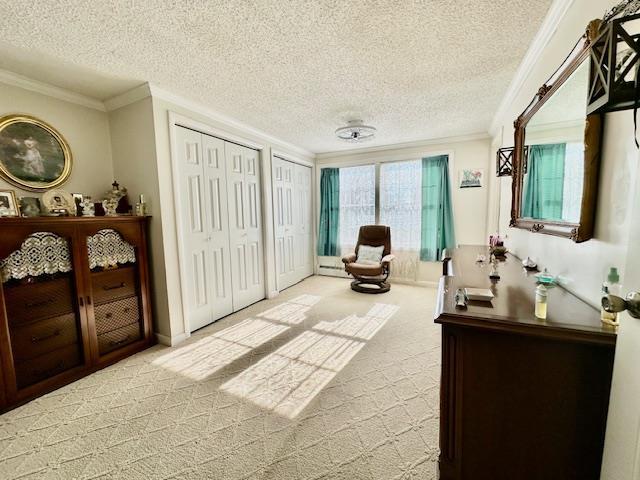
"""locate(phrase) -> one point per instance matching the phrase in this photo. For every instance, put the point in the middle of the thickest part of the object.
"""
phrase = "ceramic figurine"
(88, 209)
(529, 264)
(461, 299)
(110, 205)
(116, 192)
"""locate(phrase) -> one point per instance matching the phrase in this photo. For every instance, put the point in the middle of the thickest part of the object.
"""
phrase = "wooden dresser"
(521, 398)
(74, 298)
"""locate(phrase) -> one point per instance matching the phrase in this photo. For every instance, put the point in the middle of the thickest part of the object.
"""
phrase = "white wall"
(85, 129)
(134, 162)
(470, 205)
(582, 266)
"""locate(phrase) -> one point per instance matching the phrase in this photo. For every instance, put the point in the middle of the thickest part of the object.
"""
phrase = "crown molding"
(127, 98)
(549, 26)
(211, 114)
(26, 83)
(398, 146)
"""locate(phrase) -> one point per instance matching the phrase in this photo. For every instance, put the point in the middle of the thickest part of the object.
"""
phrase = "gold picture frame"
(9, 206)
(34, 156)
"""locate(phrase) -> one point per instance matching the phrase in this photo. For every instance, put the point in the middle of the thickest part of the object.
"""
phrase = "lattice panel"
(41, 253)
(107, 248)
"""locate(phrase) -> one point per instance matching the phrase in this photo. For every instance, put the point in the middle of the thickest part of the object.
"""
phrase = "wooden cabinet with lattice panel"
(74, 297)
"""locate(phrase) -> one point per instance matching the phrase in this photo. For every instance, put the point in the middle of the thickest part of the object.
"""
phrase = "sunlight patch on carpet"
(362, 328)
(286, 380)
(202, 358)
(292, 312)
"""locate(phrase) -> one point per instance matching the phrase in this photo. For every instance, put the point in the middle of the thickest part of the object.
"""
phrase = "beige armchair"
(371, 277)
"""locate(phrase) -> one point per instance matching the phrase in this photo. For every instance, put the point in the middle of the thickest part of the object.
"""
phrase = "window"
(357, 202)
(412, 197)
(400, 202)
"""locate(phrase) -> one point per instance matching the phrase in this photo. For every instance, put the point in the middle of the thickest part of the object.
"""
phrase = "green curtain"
(329, 212)
(544, 182)
(437, 231)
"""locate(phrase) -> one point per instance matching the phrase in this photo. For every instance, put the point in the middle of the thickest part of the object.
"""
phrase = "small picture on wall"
(8, 204)
(471, 177)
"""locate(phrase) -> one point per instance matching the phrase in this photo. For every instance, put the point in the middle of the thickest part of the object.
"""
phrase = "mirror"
(557, 155)
(552, 183)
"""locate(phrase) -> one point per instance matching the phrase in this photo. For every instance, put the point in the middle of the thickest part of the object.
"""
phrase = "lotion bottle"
(541, 302)
(611, 286)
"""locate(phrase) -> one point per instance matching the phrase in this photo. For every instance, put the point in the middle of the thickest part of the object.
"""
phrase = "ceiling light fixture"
(355, 131)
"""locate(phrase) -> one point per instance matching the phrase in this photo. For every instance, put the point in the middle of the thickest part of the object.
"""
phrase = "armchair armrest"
(387, 259)
(349, 258)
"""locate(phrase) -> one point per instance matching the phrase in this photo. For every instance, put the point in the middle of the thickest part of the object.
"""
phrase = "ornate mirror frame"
(583, 230)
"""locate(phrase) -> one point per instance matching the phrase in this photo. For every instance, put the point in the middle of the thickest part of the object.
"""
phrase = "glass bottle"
(541, 302)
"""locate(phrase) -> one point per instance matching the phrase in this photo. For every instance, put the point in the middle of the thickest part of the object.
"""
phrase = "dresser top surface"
(70, 219)
(513, 305)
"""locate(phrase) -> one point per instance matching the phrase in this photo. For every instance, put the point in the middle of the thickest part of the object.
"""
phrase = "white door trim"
(178, 120)
(291, 158)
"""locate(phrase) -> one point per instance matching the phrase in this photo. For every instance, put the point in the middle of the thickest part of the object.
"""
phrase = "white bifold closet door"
(245, 225)
(292, 217)
(221, 262)
(304, 224)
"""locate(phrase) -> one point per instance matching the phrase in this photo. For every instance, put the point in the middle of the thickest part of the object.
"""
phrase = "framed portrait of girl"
(33, 155)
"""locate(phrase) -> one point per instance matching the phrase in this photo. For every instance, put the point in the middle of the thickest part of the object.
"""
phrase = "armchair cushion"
(369, 255)
(363, 269)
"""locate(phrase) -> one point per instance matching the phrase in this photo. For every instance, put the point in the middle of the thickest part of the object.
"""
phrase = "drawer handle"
(106, 288)
(49, 372)
(41, 303)
(113, 343)
(46, 337)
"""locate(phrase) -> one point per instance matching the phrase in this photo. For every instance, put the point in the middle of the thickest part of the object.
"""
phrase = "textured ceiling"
(296, 69)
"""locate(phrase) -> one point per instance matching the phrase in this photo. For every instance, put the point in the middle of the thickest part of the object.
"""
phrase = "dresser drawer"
(34, 339)
(113, 284)
(117, 314)
(47, 365)
(115, 339)
(30, 302)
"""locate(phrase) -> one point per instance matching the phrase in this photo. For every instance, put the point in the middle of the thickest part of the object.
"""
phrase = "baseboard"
(171, 341)
(273, 294)
(332, 272)
(420, 283)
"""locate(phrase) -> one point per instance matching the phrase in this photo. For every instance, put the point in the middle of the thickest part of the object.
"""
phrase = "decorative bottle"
(141, 207)
(611, 286)
(541, 302)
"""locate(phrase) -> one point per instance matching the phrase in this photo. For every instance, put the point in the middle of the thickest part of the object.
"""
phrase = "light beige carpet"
(321, 382)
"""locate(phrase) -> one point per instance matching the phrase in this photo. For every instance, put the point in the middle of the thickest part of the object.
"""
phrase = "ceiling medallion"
(355, 131)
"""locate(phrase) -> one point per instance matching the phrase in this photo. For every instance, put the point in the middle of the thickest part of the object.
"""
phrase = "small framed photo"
(471, 178)
(30, 207)
(9, 204)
